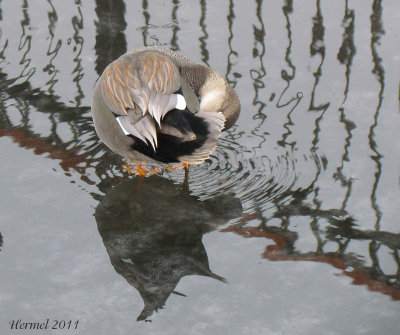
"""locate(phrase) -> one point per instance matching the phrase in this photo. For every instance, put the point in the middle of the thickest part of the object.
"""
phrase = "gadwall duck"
(146, 108)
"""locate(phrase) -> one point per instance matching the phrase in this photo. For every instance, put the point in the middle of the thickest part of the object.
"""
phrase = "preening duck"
(146, 108)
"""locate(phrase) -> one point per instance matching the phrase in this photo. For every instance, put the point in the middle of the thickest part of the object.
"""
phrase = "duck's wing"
(140, 88)
(146, 80)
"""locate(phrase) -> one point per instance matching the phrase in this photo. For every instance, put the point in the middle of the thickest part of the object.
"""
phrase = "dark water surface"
(292, 226)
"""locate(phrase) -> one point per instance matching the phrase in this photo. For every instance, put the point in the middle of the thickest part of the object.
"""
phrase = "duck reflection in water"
(152, 230)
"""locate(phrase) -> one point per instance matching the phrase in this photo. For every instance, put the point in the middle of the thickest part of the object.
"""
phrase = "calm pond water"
(290, 228)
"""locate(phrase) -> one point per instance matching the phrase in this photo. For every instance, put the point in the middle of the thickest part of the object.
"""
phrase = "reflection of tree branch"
(110, 43)
(175, 26)
(361, 276)
(203, 39)
(231, 18)
(351, 266)
(77, 23)
(376, 31)
(345, 56)
(338, 175)
(52, 50)
(287, 9)
(110, 38)
(347, 49)
(25, 41)
(287, 125)
(231, 133)
(69, 158)
(69, 153)
(146, 16)
(341, 230)
(317, 46)
(258, 75)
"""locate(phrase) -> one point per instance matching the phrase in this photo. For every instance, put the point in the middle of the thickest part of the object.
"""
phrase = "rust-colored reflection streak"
(283, 250)
(69, 159)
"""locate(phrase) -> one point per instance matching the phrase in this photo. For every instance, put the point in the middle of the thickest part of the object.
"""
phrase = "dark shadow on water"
(152, 230)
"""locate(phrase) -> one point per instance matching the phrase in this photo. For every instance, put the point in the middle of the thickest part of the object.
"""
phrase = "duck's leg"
(145, 173)
(177, 166)
(141, 171)
(186, 180)
(174, 167)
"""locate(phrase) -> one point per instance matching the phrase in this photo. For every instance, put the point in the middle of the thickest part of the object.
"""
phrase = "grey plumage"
(142, 86)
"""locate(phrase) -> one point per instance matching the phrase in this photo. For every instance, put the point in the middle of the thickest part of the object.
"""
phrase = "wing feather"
(143, 82)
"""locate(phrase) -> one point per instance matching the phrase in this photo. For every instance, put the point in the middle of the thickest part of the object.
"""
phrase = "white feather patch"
(159, 105)
(144, 129)
(122, 127)
(180, 102)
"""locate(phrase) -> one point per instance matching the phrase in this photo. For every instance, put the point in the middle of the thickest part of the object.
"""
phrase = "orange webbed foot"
(177, 166)
(141, 171)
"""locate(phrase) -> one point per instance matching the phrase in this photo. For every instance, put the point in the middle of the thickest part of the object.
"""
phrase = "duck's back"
(148, 96)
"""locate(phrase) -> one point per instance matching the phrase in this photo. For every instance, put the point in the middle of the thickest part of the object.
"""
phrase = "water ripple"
(256, 181)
